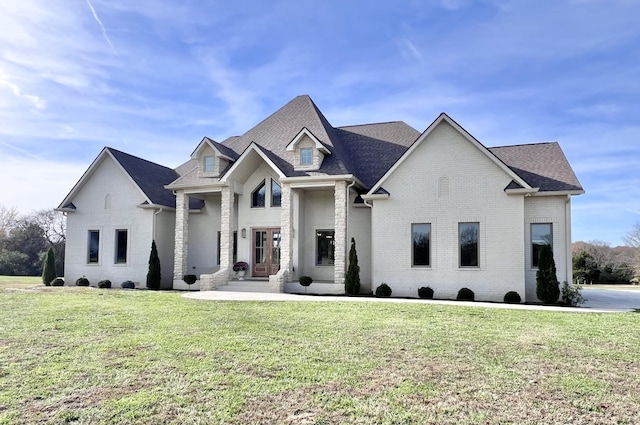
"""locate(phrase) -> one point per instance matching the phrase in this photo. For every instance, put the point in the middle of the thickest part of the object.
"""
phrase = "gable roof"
(149, 177)
(445, 118)
(542, 165)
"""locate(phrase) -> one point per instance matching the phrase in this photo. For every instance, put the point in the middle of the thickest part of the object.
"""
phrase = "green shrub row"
(464, 294)
(103, 284)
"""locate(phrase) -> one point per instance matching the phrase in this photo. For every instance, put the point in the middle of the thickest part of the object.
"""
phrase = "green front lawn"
(84, 355)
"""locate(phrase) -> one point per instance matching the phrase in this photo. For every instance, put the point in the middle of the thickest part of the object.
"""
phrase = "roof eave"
(575, 192)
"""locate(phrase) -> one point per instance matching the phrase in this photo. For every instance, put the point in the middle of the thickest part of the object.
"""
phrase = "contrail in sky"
(104, 31)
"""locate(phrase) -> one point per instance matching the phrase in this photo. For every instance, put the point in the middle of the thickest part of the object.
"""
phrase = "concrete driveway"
(611, 299)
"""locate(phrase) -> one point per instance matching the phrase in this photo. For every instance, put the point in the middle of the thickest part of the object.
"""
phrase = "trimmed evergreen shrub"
(352, 279)
(190, 279)
(127, 284)
(383, 290)
(83, 281)
(547, 285)
(512, 297)
(425, 292)
(466, 294)
(154, 276)
(106, 283)
(305, 280)
(49, 267)
(58, 281)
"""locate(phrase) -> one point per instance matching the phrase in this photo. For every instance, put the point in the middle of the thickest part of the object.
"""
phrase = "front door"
(266, 251)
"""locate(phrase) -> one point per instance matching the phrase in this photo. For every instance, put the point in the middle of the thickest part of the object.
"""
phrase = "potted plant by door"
(240, 268)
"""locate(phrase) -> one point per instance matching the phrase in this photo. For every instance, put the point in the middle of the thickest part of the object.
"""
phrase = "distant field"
(92, 356)
(19, 281)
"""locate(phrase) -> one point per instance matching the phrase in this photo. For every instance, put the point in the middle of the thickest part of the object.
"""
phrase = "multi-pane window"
(276, 194)
(93, 251)
(306, 156)
(541, 235)
(208, 163)
(421, 244)
(325, 247)
(469, 239)
(121, 246)
(258, 195)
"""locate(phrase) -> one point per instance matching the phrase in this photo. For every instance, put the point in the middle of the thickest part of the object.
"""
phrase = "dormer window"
(308, 151)
(208, 164)
(306, 156)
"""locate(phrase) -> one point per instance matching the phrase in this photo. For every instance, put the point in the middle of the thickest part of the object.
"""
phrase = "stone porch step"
(246, 286)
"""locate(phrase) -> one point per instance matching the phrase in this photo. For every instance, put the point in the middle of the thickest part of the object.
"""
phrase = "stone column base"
(276, 281)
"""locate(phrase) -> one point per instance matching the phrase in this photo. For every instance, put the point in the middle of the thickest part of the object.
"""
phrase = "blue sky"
(152, 78)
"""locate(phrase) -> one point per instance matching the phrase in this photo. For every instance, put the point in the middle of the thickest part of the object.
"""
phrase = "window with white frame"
(541, 235)
(208, 164)
(306, 156)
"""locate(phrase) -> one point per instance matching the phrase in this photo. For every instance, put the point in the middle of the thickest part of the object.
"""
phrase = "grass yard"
(84, 355)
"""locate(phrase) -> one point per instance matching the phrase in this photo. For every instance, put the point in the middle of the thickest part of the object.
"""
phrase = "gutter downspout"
(155, 218)
(346, 230)
(567, 223)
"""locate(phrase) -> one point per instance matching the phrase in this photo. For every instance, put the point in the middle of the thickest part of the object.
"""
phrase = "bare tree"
(601, 252)
(8, 220)
(53, 224)
(632, 238)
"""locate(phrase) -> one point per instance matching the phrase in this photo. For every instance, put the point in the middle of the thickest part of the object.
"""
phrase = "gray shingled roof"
(151, 179)
(368, 151)
(374, 148)
(542, 165)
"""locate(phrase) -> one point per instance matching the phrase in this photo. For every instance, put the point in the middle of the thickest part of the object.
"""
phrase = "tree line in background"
(598, 262)
(25, 239)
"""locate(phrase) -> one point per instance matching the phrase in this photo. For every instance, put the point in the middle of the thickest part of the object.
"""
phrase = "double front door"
(266, 251)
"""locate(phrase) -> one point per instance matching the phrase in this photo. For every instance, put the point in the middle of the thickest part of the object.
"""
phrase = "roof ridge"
(110, 149)
(524, 144)
(371, 123)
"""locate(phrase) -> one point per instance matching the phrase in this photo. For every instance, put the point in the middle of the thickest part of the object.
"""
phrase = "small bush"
(83, 281)
(104, 284)
(57, 282)
(127, 284)
(512, 297)
(190, 279)
(383, 290)
(466, 294)
(305, 280)
(571, 294)
(425, 292)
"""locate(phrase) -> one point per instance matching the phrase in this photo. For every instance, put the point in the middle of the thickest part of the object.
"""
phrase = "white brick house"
(435, 209)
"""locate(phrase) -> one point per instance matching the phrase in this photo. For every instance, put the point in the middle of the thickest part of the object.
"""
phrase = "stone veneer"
(340, 236)
(181, 236)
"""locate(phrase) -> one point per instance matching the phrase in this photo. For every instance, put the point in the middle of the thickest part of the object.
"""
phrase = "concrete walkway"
(599, 300)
